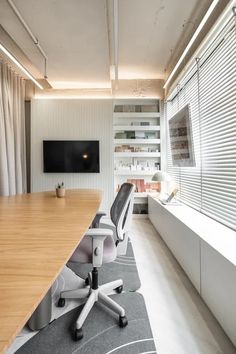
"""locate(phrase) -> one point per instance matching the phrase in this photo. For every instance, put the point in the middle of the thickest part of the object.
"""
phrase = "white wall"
(75, 120)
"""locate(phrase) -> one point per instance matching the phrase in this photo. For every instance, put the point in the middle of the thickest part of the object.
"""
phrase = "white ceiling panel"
(74, 35)
(149, 32)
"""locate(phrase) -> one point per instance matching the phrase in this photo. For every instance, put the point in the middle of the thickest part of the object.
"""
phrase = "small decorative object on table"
(60, 190)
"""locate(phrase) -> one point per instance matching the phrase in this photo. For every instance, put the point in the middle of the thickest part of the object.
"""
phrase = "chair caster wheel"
(78, 335)
(119, 289)
(123, 321)
(61, 302)
(86, 281)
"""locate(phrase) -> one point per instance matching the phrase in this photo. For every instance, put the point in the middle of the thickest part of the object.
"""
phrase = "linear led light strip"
(2, 48)
(196, 33)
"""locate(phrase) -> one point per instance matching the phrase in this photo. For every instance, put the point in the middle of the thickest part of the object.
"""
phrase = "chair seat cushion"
(84, 252)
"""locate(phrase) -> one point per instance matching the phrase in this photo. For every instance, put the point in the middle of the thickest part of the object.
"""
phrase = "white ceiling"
(148, 33)
(75, 35)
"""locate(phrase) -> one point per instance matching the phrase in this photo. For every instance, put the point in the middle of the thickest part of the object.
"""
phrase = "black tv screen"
(71, 156)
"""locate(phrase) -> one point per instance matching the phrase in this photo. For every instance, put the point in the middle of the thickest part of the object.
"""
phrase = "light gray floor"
(180, 321)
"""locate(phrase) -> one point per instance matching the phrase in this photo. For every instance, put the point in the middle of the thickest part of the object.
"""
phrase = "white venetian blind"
(218, 126)
(210, 89)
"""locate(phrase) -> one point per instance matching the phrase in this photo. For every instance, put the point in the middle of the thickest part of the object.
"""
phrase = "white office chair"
(98, 246)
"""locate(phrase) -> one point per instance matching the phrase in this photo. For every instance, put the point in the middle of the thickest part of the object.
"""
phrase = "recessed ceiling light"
(10, 56)
(80, 85)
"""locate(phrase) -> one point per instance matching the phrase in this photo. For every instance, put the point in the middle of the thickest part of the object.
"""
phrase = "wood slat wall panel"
(73, 119)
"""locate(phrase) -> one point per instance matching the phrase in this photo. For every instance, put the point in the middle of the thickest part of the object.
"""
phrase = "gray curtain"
(12, 132)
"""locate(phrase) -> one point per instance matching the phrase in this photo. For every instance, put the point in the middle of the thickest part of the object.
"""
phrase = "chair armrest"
(98, 237)
(99, 233)
(101, 213)
(97, 218)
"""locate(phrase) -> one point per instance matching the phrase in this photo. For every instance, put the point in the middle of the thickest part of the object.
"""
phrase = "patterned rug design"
(102, 335)
(123, 267)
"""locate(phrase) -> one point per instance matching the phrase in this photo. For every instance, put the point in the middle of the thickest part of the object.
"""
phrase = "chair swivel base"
(94, 295)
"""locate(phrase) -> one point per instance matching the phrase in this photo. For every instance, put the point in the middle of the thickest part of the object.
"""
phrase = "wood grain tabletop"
(38, 234)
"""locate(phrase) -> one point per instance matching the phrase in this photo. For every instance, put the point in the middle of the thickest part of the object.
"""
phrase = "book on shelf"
(153, 186)
(130, 135)
(120, 135)
(150, 135)
(139, 135)
(118, 108)
(142, 185)
(136, 108)
(139, 183)
(150, 108)
(129, 108)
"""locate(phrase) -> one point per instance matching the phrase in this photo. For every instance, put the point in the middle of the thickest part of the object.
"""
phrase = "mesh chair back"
(122, 208)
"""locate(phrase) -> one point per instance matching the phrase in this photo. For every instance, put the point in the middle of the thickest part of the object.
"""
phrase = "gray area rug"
(123, 267)
(102, 335)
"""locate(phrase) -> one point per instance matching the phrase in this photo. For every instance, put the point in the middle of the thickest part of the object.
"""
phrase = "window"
(210, 90)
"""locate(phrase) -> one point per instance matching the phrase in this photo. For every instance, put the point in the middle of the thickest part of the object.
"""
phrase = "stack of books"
(141, 186)
(139, 183)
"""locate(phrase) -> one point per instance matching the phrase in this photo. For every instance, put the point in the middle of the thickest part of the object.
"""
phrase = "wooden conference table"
(38, 234)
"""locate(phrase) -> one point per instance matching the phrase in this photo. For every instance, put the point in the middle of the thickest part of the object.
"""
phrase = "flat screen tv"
(71, 156)
(181, 140)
